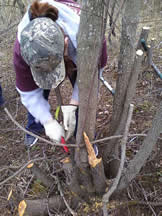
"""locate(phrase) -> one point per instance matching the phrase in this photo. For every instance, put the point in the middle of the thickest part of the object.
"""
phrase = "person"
(1, 97)
(45, 52)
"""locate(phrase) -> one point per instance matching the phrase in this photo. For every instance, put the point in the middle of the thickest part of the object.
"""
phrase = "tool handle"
(65, 147)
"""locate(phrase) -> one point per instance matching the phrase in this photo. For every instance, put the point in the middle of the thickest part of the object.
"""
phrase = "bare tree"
(124, 88)
(84, 172)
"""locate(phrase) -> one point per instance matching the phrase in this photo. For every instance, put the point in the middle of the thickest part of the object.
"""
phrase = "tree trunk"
(89, 45)
(126, 58)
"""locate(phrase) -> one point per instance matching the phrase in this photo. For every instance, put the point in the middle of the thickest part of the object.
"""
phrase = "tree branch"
(107, 195)
(34, 135)
(139, 160)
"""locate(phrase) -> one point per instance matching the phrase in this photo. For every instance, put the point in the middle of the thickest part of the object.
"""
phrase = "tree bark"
(97, 169)
(41, 207)
(21, 7)
(89, 45)
(126, 58)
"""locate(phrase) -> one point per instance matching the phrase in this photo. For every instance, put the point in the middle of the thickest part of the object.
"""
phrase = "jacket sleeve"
(36, 104)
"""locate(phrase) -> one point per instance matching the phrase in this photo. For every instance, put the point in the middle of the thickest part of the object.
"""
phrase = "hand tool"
(108, 86)
(62, 138)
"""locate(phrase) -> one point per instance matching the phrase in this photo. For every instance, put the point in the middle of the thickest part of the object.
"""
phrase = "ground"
(13, 155)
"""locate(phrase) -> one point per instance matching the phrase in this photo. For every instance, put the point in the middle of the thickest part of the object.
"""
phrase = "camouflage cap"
(42, 47)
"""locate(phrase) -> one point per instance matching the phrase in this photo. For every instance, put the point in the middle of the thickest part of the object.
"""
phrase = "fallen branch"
(21, 169)
(63, 197)
(149, 205)
(39, 207)
(107, 195)
(134, 203)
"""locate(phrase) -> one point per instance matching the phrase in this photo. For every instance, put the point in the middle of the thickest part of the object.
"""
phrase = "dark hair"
(38, 9)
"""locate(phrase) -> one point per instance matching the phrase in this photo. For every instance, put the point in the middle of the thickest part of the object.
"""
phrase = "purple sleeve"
(24, 79)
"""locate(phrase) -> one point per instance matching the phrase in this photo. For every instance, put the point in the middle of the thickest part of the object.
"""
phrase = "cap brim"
(51, 79)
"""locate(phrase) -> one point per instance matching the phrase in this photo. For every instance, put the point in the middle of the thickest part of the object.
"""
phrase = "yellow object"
(93, 160)
(22, 207)
(65, 160)
(9, 195)
(57, 112)
(30, 165)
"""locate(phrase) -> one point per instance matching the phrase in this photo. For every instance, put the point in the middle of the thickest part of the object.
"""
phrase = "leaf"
(22, 207)
(30, 165)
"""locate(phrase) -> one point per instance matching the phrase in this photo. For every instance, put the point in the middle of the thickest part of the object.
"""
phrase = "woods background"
(149, 94)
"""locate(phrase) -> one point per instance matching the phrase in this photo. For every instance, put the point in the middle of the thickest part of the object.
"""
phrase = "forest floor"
(143, 194)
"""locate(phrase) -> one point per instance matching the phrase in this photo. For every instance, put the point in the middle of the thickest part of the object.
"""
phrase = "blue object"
(143, 42)
(33, 126)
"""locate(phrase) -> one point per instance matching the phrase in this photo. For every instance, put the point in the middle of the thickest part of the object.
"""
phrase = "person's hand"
(69, 119)
(54, 130)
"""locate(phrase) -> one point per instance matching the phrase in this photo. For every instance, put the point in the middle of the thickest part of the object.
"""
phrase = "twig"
(118, 136)
(118, 12)
(7, 30)
(107, 195)
(62, 195)
(145, 196)
(20, 170)
(26, 188)
(69, 145)
(34, 135)
(144, 152)
(136, 202)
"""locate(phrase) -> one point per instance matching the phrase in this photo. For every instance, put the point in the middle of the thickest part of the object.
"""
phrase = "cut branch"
(144, 35)
(93, 160)
(97, 169)
(40, 207)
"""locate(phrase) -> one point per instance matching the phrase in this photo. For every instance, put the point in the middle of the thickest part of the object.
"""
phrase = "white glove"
(69, 119)
(54, 130)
